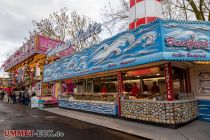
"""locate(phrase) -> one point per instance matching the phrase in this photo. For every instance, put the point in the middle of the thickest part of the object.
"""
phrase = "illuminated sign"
(92, 29)
(82, 36)
(59, 48)
(36, 44)
(143, 71)
(163, 40)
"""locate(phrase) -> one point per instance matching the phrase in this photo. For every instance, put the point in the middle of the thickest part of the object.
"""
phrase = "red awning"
(8, 89)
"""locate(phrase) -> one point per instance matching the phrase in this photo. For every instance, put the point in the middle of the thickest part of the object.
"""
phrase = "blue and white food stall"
(173, 54)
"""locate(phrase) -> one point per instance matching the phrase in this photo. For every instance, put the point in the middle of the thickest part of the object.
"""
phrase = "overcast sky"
(16, 17)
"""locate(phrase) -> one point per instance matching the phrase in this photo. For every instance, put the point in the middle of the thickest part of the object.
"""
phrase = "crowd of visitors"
(21, 97)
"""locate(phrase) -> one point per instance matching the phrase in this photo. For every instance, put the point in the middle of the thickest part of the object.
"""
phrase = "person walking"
(24, 99)
(20, 98)
(6, 98)
(2, 95)
(27, 98)
(14, 97)
(10, 98)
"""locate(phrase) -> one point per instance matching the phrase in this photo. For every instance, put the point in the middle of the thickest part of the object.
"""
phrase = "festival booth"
(4, 84)
(161, 58)
(200, 79)
(26, 69)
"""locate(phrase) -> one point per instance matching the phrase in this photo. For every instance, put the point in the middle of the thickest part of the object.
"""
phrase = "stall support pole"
(187, 80)
(169, 81)
(54, 90)
(120, 90)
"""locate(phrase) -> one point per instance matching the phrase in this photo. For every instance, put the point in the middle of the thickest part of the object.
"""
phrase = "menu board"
(34, 102)
(204, 83)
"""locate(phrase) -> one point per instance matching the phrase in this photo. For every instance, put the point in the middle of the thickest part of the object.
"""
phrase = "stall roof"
(35, 45)
(161, 40)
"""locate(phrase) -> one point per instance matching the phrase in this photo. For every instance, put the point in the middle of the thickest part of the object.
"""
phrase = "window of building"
(151, 81)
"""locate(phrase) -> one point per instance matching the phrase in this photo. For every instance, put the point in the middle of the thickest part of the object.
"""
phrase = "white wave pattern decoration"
(205, 28)
(204, 110)
(72, 64)
(47, 72)
(198, 27)
(109, 109)
(148, 39)
(83, 65)
(145, 40)
(113, 48)
(147, 51)
(178, 34)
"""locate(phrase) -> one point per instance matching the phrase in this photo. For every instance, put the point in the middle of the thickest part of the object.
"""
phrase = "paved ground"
(17, 117)
(196, 130)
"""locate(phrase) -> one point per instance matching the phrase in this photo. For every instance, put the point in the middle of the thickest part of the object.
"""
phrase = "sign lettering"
(190, 43)
(169, 84)
(81, 37)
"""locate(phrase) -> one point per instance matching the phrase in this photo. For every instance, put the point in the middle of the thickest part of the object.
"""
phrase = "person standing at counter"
(135, 90)
(155, 88)
(104, 90)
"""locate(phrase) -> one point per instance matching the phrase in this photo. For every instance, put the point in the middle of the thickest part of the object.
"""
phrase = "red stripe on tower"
(143, 12)
(132, 3)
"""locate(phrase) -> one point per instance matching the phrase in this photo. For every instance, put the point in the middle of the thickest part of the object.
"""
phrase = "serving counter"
(92, 103)
(164, 112)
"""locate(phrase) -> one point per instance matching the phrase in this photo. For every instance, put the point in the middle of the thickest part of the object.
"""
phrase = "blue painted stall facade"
(204, 110)
(108, 109)
(161, 40)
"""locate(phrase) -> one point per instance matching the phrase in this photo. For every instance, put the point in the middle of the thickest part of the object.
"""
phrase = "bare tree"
(55, 26)
(187, 9)
(171, 9)
(63, 26)
(175, 9)
(77, 24)
(116, 15)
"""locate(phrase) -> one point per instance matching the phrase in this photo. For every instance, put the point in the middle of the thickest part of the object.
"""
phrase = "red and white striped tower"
(144, 11)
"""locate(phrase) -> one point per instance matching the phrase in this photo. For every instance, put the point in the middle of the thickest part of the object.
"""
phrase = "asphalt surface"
(20, 117)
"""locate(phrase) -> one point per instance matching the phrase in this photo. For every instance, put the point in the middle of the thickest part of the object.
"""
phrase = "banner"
(161, 40)
(169, 82)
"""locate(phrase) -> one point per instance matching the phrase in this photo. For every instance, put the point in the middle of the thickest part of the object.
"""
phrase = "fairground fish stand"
(173, 54)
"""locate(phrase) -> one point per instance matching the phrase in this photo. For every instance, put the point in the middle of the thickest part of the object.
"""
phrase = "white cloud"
(16, 17)
(3, 74)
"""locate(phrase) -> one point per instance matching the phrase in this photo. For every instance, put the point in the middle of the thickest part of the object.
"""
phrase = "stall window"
(67, 87)
(152, 82)
(89, 86)
(145, 79)
(80, 86)
(203, 82)
(179, 81)
(128, 81)
(105, 84)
